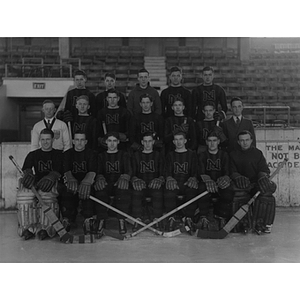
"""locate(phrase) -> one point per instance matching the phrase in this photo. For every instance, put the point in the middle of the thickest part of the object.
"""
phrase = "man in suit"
(234, 125)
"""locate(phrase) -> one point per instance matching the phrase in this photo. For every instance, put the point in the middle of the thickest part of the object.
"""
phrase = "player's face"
(146, 104)
(209, 112)
(80, 81)
(245, 141)
(109, 83)
(49, 110)
(112, 100)
(143, 79)
(148, 142)
(178, 108)
(79, 141)
(237, 108)
(179, 141)
(175, 78)
(82, 106)
(46, 142)
(112, 143)
(212, 143)
(208, 77)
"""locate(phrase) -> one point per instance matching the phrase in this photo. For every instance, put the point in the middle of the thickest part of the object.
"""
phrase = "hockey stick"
(239, 214)
(158, 232)
(168, 214)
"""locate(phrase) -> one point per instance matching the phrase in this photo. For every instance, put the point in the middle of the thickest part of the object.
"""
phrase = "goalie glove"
(264, 182)
(171, 183)
(192, 183)
(71, 182)
(28, 179)
(123, 182)
(223, 182)
(100, 182)
(84, 189)
(211, 186)
(242, 182)
(48, 181)
(156, 183)
(138, 184)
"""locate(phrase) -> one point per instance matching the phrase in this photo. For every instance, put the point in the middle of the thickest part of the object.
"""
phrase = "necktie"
(238, 121)
(48, 124)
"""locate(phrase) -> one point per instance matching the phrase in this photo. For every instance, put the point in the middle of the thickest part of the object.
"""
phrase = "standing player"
(175, 91)
(250, 173)
(181, 179)
(80, 167)
(214, 172)
(208, 91)
(113, 177)
(147, 178)
(46, 163)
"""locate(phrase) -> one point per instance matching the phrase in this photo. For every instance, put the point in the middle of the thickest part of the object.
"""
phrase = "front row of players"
(125, 181)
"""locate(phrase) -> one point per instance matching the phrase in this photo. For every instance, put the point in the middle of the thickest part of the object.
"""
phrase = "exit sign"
(39, 85)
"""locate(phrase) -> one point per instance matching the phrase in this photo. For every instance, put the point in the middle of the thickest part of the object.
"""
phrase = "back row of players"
(136, 153)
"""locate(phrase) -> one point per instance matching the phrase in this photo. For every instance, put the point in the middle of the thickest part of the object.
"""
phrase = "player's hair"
(80, 72)
(143, 70)
(209, 103)
(175, 69)
(146, 96)
(212, 134)
(47, 131)
(235, 99)
(113, 91)
(112, 75)
(207, 68)
(245, 132)
(178, 99)
(48, 101)
(179, 132)
(79, 132)
(112, 133)
(149, 133)
(85, 97)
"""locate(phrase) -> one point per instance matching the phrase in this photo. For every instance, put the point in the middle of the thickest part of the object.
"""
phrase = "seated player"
(181, 179)
(250, 172)
(179, 122)
(46, 163)
(147, 179)
(80, 167)
(214, 172)
(113, 178)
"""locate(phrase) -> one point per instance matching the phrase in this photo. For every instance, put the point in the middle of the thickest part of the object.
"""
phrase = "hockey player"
(42, 168)
(174, 91)
(113, 178)
(59, 128)
(181, 179)
(147, 178)
(214, 171)
(179, 122)
(146, 121)
(250, 172)
(80, 167)
(206, 91)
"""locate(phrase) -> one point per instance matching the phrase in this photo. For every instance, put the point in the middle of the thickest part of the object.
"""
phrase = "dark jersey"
(80, 163)
(170, 94)
(101, 101)
(181, 165)
(44, 162)
(214, 165)
(112, 165)
(203, 93)
(248, 163)
(142, 123)
(147, 166)
(203, 129)
(72, 95)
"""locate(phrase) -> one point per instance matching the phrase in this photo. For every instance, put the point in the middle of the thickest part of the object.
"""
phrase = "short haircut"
(179, 132)
(235, 99)
(175, 69)
(149, 133)
(146, 96)
(245, 132)
(113, 91)
(213, 134)
(47, 131)
(85, 97)
(112, 133)
(207, 68)
(112, 75)
(80, 132)
(209, 103)
(143, 70)
(48, 101)
(178, 99)
(80, 72)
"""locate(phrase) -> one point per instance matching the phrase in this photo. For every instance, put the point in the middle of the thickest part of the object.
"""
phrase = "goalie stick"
(239, 214)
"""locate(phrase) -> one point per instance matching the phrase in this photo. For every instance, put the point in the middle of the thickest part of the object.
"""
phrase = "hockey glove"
(192, 183)
(28, 179)
(100, 182)
(137, 147)
(67, 116)
(84, 189)
(171, 183)
(211, 186)
(264, 182)
(71, 182)
(242, 182)
(158, 144)
(219, 131)
(123, 182)
(156, 183)
(223, 182)
(123, 137)
(60, 115)
(102, 143)
(138, 184)
(48, 181)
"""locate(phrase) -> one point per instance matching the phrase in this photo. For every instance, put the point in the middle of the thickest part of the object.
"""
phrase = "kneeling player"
(250, 172)
(214, 172)
(147, 179)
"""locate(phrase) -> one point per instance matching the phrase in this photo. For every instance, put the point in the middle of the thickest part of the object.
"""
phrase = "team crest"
(56, 134)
